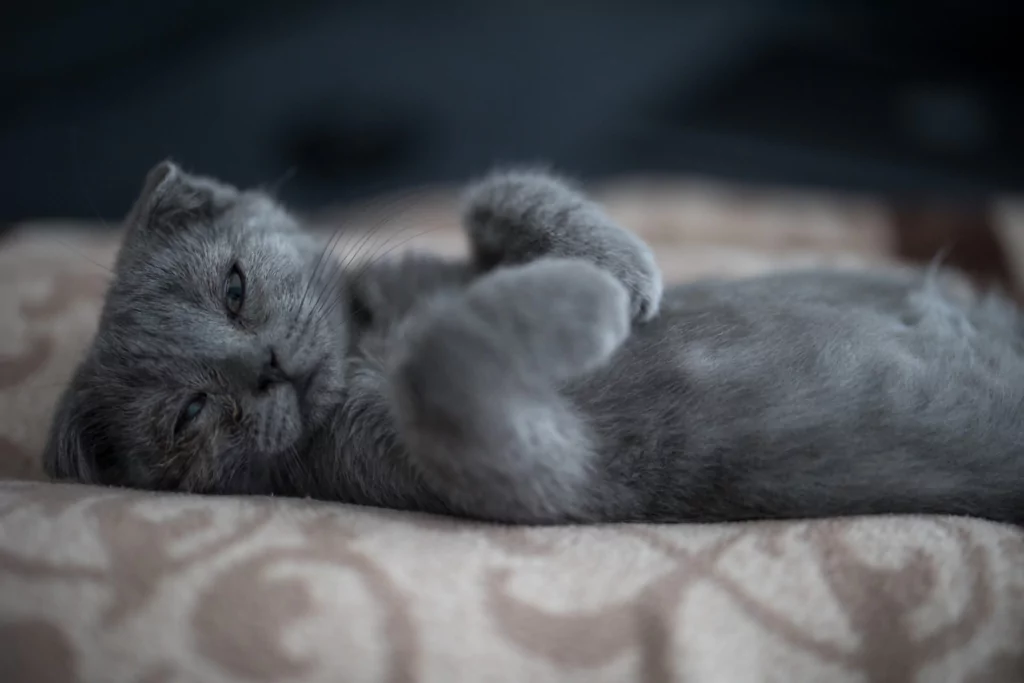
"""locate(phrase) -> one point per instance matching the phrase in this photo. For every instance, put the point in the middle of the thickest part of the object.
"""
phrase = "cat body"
(547, 378)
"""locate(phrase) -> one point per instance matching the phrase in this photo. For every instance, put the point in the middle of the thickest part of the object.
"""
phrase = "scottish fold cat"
(546, 378)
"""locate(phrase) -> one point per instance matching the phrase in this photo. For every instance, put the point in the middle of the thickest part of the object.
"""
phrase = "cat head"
(219, 350)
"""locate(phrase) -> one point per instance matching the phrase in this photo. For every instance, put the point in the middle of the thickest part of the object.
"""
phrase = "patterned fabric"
(110, 585)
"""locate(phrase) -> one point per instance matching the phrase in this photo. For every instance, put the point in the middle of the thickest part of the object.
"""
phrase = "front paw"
(546, 321)
(514, 217)
(563, 317)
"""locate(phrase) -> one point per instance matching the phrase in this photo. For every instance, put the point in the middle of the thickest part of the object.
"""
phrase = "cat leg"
(474, 381)
(513, 217)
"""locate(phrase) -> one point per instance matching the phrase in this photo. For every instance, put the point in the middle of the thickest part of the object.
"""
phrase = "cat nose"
(270, 373)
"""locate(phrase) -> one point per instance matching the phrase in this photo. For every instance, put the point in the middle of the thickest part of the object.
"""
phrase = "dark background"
(904, 98)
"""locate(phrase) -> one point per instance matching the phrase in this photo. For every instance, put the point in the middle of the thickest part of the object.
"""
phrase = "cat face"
(219, 351)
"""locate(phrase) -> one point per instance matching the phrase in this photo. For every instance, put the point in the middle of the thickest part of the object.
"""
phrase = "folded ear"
(171, 198)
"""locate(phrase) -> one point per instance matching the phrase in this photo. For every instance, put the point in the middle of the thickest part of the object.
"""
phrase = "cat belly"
(776, 401)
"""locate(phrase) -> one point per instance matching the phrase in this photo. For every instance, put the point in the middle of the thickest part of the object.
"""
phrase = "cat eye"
(190, 411)
(234, 291)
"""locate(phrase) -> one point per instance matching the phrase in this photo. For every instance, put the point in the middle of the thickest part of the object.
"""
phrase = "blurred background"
(734, 136)
(349, 99)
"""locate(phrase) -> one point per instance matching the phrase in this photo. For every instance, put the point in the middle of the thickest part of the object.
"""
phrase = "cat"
(546, 378)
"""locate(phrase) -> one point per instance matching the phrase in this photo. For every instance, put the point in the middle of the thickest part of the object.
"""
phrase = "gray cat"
(546, 379)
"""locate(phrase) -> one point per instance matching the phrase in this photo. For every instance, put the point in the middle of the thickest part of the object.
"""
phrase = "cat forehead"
(199, 252)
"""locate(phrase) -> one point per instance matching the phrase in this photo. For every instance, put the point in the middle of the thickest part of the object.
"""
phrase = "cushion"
(117, 585)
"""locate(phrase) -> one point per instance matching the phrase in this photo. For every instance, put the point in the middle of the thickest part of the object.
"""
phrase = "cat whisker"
(378, 229)
(376, 257)
(332, 243)
(332, 270)
(363, 267)
(336, 266)
(370, 262)
(332, 285)
(330, 282)
(395, 206)
(316, 268)
(79, 253)
(273, 188)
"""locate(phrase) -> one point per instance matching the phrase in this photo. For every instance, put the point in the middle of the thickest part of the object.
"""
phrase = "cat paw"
(517, 216)
(559, 317)
(545, 321)
(642, 279)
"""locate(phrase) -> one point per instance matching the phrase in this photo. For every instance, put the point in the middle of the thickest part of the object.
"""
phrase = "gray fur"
(547, 379)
